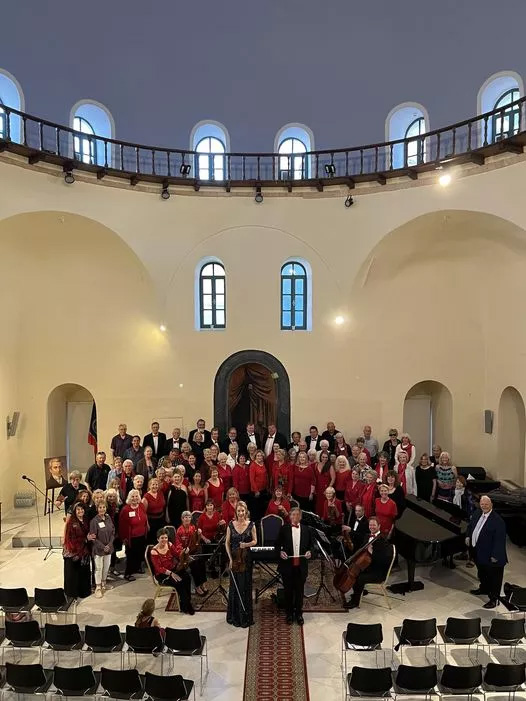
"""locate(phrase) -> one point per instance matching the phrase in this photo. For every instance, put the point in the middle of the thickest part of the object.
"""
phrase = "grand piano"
(426, 533)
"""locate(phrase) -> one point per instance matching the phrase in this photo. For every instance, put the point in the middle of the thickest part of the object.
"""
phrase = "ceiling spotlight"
(349, 201)
(338, 320)
(330, 169)
(185, 169)
(259, 195)
(69, 178)
(181, 385)
(162, 328)
(444, 179)
(165, 194)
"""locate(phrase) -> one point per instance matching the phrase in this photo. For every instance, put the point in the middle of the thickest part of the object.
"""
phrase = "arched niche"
(69, 408)
(511, 436)
(242, 369)
(428, 416)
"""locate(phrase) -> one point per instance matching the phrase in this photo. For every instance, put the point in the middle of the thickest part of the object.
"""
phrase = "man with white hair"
(324, 448)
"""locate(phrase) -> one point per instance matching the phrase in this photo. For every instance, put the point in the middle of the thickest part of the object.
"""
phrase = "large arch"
(428, 416)
(69, 409)
(511, 437)
(278, 374)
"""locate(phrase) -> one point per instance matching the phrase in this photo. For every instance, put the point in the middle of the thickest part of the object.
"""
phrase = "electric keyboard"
(264, 553)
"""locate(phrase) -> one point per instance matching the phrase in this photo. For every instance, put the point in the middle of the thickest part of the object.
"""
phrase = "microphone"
(28, 479)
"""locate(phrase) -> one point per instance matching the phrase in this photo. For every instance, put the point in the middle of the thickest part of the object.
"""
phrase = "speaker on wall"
(488, 421)
(12, 424)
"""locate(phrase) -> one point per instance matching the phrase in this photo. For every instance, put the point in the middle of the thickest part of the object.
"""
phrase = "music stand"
(219, 588)
(320, 537)
(49, 547)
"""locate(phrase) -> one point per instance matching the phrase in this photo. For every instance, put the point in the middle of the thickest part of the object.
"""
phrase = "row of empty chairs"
(84, 681)
(44, 602)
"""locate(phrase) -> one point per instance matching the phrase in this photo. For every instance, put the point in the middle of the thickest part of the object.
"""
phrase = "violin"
(346, 575)
(239, 560)
(191, 548)
(347, 540)
(332, 514)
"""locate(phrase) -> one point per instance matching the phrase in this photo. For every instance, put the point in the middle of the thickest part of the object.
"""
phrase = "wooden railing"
(472, 140)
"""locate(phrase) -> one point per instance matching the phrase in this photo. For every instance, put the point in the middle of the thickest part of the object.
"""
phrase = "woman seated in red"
(215, 488)
(325, 475)
(165, 561)
(370, 493)
(278, 506)
(281, 472)
(187, 538)
(197, 493)
(225, 471)
(332, 508)
(385, 511)
(209, 523)
(354, 490)
(228, 508)
(241, 477)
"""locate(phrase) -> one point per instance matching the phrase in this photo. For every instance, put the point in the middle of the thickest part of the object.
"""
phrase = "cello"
(346, 575)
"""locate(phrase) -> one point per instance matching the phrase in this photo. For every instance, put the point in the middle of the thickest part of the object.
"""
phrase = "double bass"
(346, 575)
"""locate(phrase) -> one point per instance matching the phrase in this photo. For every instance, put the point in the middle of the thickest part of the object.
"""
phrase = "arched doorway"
(428, 416)
(252, 385)
(69, 410)
(511, 441)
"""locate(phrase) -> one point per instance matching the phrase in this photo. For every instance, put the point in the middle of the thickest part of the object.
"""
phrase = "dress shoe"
(476, 592)
(351, 605)
(491, 604)
(300, 620)
(190, 610)
(290, 620)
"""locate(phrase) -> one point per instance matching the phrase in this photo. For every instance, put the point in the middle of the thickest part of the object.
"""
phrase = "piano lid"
(421, 529)
(447, 515)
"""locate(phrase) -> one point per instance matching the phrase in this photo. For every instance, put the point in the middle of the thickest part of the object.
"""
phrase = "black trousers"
(490, 578)
(361, 581)
(182, 587)
(293, 585)
(134, 555)
(198, 570)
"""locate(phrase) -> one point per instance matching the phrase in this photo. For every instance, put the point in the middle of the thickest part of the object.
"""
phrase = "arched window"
(11, 96)
(292, 143)
(212, 296)
(295, 296)
(409, 122)
(507, 123)
(3, 121)
(96, 124)
(211, 141)
(84, 146)
(499, 91)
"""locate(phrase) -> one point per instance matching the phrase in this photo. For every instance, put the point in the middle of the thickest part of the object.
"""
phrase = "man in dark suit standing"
(201, 428)
(486, 536)
(250, 436)
(156, 441)
(313, 440)
(294, 546)
(270, 437)
(359, 526)
(231, 438)
(176, 441)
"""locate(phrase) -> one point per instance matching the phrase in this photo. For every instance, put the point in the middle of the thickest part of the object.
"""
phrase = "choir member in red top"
(225, 471)
(228, 509)
(258, 486)
(342, 471)
(332, 510)
(361, 443)
(197, 493)
(303, 482)
(154, 504)
(278, 505)
(133, 527)
(209, 522)
(281, 472)
(165, 559)
(241, 477)
(382, 466)
(207, 464)
(187, 538)
(272, 459)
(325, 476)
(77, 578)
(385, 511)
(215, 488)
(369, 493)
(354, 490)
(165, 479)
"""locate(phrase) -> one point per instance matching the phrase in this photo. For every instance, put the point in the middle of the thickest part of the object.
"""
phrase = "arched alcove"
(511, 433)
(236, 374)
(69, 408)
(428, 416)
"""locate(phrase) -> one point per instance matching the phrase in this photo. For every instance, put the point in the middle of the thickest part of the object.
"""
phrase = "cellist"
(381, 552)
(187, 538)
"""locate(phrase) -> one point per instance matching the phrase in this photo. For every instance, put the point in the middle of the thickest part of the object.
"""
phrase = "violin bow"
(237, 590)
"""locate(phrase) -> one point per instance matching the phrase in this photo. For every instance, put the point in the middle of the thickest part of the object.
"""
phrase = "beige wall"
(431, 282)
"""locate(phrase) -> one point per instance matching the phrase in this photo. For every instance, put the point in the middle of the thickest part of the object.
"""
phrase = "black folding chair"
(15, 601)
(415, 681)
(142, 641)
(59, 638)
(54, 601)
(504, 678)
(415, 633)
(361, 637)
(186, 642)
(121, 683)
(460, 681)
(174, 688)
(104, 639)
(505, 632)
(75, 681)
(461, 631)
(369, 681)
(22, 635)
(27, 679)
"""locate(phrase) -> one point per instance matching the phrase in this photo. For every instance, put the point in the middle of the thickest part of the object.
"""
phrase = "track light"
(349, 201)
(185, 169)
(69, 178)
(165, 193)
(162, 328)
(444, 179)
(259, 195)
(330, 169)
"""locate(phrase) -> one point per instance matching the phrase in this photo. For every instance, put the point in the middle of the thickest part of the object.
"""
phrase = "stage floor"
(446, 593)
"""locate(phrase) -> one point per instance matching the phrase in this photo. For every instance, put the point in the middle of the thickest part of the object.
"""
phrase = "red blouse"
(216, 493)
(228, 511)
(381, 473)
(273, 508)
(168, 561)
(258, 477)
(282, 473)
(75, 535)
(353, 492)
(323, 479)
(156, 505)
(342, 477)
(386, 514)
(182, 538)
(368, 498)
(209, 525)
(303, 480)
(241, 479)
(225, 474)
(339, 511)
(196, 499)
(133, 522)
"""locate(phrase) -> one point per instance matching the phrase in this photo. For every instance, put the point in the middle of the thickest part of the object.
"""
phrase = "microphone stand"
(216, 555)
(49, 504)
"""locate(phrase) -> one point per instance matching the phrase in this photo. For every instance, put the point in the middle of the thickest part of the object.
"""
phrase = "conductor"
(294, 545)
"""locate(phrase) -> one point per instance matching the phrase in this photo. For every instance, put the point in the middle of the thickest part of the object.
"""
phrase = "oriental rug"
(276, 668)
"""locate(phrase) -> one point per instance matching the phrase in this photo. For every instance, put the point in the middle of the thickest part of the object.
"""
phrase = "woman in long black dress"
(176, 501)
(77, 576)
(426, 479)
(240, 536)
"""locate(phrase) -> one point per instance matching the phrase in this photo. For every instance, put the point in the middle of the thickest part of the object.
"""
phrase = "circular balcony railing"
(473, 140)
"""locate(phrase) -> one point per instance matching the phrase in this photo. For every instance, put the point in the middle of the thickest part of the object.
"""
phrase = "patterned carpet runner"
(276, 668)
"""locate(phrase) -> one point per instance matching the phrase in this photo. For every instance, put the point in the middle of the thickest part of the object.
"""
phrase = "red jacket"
(209, 525)
(133, 523)
(241, 479)
(228, 511)
(339, 512)
(302, 481)
(258, 477)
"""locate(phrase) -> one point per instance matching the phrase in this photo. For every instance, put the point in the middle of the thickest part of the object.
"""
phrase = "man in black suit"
(156, 441)
(270, 437)
(231, 438)
(486, 535)
(381, 552)
(294, 546)
(201, 428)
(176, 441)
(329, 435)
(359, 526)
(313, 440)
(250, 436)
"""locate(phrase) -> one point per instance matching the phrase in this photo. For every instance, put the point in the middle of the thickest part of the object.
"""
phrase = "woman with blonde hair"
(176, 500)
(342, 474)
(133, 527)
(154, 504)
(407, 447)
(240, 536)
(446, 477)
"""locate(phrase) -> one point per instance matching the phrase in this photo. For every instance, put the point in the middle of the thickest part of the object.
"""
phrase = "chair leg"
(201, 670)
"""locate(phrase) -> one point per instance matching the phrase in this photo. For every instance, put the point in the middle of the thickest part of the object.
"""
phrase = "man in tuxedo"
(381, 552)
(231, 438)
(250, 436)
(329, 434)
(313, 440)
(272, 436)
(296, 438)
(176, 441)
(214, 439)
(486, 535)
(201, 428)
(156, 441)
(359, 527)
(294, 547)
